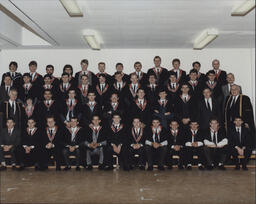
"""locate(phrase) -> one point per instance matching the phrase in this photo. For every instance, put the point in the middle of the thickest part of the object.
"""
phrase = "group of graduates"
(140, 117)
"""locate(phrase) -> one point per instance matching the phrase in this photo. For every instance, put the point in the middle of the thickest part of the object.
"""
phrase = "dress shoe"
(150, 168)
(142, 167)
(221, 167)
(237, 167)
(89, 167)
(161, 168)
(189, 167)
(3, 168)
(201, 168)
(78, 168)
(244, 167)
(67, 168)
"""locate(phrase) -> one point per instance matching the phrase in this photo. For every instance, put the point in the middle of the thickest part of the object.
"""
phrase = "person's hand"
(246, 125)
(212, 146)
(27, 150)
(119, 149)
(155, 145)
(49, 145)
(6, 148)
(115, 148)
(71, 148)
(168, 113)
(195, 144)
(177, 147)
(156, 111)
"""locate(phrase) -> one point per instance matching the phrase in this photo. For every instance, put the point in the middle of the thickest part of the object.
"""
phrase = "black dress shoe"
(14, 168)
(89, 167)
(189, 167)
(209, 168)
(78, 168)
(21, 168)
(142, 167)
(201, 168)
(244, 167)
(101, 167)
(161, 168)
(67, 168)
(237, 167)
(170, 167)
(3, 168)
(58, 168)
(109, 168)
(180, 167)
(221, 167)
(150, 168)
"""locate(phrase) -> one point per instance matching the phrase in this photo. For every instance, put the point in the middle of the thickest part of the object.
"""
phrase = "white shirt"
(69, 101)
(173, 85)
(141, 101)
(116, 125)
(137, 130)
(13, 104)
(119, 84)
(91, 103)
(32, 74)
(65, 85)
(185, 97)
(138, 73)
(73, 129)
(210, 102)
(10, 130)
(102, 86)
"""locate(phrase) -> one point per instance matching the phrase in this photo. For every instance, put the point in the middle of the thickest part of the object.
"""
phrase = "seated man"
(52, 138)
(194, 145)
(116, 138)
(156, 143)
(95, 142)
(9, 141)
(72, 143)
(136, 142)
(28, 152)
(175, 139)
(215, 142)
(163, 109)
(240, 142)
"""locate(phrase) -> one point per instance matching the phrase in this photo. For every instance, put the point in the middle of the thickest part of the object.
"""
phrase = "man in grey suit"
(9, 141)
(227, 87)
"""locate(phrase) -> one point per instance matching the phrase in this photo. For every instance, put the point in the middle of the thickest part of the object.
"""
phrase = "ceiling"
(133, 23)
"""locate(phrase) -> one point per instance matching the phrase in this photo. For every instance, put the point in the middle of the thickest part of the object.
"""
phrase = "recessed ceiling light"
(205, 38)
(72, 8)
(243, 8)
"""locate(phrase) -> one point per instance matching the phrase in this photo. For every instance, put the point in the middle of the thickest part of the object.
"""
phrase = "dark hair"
(193, 71)
(65, 74)
(10, 118)
(26, 75)
(71, 89)
(176, 60)
(101, 75)
(119, 64)
(214, 118)
(31, 118)
(14, 64)
(137, 63)
(101, 63)
(196, 62)
(172, 73)
(32, 63)
(49, 66)
(73, 117)
(48, 75)
(84, 61)
(7, 75)
(68, 66)
(49, 117)
(210, 72)
(116, 73)
(96, 115)
(157, 57)
(47, 90)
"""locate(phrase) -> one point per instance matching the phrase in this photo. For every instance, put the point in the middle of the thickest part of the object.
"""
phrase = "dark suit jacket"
(246, 138)
(17, 79)
(78, 140)
(163, 76)
(150, 134)
(176, 140)
(204, 114)
(13, 139)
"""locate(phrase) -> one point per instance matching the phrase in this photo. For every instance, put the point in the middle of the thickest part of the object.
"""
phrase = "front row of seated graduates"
(153, 144)
(142, 118)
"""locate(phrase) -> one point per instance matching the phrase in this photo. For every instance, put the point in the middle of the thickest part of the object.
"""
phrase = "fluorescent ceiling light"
(72, 8)
(93, 38)
(205, 38)
(92, 41)
(243, 8)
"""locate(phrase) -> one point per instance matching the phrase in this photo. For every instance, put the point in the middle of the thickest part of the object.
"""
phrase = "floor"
(117, 187)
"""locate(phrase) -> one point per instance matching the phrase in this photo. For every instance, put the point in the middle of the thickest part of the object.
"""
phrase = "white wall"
(241, 62)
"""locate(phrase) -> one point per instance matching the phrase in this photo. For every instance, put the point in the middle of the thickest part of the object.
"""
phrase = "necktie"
(214, 137)
(119, 86)
(116, 128)
(239, 134)
(9, 132)
(101, 87)
(71, 103)
(232, 102)
(134, 88)
(48, 103)
(7, 89)
(157, 137)
(173, 87)
(162, 104)
(208, 105)
(153, 88)
(64, 88)
(185, 99)
(26, 89)
(51, 132)
(30, 132)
